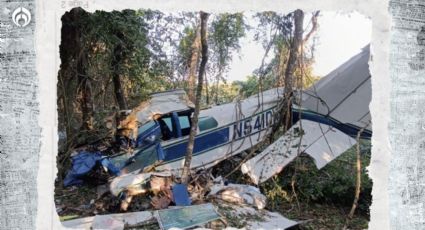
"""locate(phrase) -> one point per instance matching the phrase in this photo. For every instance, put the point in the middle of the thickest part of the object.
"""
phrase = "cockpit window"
(168, 122)
(184, 122)
(172, 125)
(206, 123)
(145, 127)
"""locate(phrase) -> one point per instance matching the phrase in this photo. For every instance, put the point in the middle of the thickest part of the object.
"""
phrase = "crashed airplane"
(326, 121)
(334, 112)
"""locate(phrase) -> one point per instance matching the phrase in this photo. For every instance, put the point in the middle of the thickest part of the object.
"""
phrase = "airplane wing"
(328, 118)
(345, 93)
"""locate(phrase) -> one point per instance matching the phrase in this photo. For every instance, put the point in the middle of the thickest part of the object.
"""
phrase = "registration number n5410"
(253, 124)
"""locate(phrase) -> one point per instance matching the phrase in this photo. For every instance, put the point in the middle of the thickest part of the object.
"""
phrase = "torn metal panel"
(162, 103)
(118, 221)
(264, 219)
(111, 221)
(125, 182)
(158, 104)
(122, 183)
(272, 220)
(328, 146)
(240, 194)
(186, 217)
(322, 142)
(80, 223)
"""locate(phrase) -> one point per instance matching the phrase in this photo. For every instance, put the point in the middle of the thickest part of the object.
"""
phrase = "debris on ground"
(265, 219)
(239, 194)
(81, 223)
(160, 182)
(200, 185)
(204, 216)
(181, 195)
(83, 163)
(162, 200)
(187, 216)
(129, 185)
(129, 182)
(112, 221)
(173, 202)
(101, 190)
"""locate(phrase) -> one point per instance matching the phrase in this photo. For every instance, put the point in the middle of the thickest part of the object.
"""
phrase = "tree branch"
(194, 125)
(314, 26)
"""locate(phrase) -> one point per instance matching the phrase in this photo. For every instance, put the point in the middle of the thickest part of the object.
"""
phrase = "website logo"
(21, 17)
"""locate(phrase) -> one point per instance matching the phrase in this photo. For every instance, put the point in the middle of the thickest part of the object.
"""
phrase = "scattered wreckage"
(183, 218)
(326, 119)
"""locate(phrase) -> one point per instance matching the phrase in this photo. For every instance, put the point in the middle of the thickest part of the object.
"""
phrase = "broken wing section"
(333, 111)
(322, 142)
(344, 94)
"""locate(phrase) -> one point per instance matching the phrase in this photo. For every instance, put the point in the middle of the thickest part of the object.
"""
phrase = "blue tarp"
(181, 195)
(83, 163)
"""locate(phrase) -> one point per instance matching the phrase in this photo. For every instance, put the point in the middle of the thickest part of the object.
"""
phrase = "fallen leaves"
(162, 200)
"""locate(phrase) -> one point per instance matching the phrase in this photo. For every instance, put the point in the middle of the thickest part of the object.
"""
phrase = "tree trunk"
(284, 116)
(116, 60)
(294, 55)
(86, 103)
(358, 182)
(313, 27)
(217, 85)
(119, 95)
(283, 58)
(207, 92)
(190, 145)
(84, 82)
(196, 46)
(359, 174)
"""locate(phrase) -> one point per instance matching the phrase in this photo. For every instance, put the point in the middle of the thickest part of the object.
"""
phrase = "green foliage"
(226, 92)
(185, 45)
(335, 183)
(225, 33)
(274, 27)
(248, 87)
(108, 44)
(275, 32)
(106, 30)
(251, 85)
(124, 35)
(276, 194)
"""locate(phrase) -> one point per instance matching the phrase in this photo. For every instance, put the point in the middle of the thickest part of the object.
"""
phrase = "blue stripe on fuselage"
(220, 136)
(202, 143)
(348, 129)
